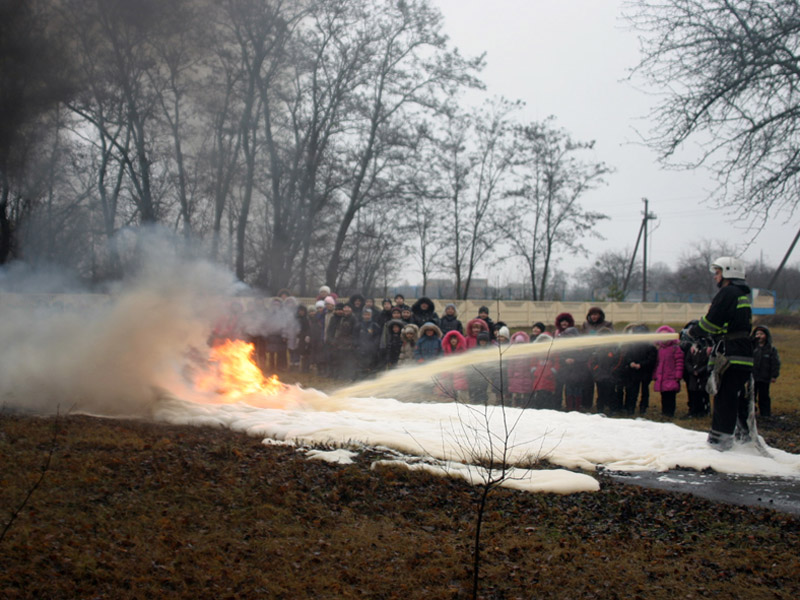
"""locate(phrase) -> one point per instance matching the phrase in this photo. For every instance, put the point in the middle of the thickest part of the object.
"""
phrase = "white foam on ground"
(462, 434)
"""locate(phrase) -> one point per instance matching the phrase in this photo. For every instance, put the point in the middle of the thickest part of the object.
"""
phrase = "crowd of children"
(356, 339)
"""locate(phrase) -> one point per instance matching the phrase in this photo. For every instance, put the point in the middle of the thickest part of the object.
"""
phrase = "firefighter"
(728, 324)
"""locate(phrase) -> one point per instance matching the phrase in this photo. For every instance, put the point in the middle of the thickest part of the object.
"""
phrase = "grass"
(131, 509)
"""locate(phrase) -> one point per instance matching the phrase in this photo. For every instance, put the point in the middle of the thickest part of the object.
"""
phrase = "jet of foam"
(405, 376)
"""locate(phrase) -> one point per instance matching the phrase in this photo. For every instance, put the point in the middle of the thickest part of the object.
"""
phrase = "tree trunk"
(6, 230)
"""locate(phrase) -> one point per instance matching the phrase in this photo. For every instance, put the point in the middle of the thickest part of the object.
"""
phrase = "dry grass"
(140, 510)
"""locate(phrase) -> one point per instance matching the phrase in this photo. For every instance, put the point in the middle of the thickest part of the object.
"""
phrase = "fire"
(234, 373)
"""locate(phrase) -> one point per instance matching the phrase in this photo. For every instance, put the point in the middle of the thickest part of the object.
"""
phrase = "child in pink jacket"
(520, 385)
(668, 372)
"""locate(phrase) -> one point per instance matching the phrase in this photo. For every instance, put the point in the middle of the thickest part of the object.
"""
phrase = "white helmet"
(731, 267)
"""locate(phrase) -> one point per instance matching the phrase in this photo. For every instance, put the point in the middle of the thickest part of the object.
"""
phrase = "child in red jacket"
(455, 381)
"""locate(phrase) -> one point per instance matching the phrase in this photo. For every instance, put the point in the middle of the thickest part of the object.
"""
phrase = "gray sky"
(569, 58)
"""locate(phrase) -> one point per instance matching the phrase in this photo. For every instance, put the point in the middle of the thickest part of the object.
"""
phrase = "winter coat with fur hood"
(392, 343)
(420, 316)
(407, 351)
(559, 330)
(457, 379)
(472, 340)
(590, 327)
(428, 347)
(357, 306)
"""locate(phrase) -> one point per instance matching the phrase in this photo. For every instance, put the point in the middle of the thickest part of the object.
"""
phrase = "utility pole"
(647, 217)
(771, 285)
(642, 230)
(633, 260)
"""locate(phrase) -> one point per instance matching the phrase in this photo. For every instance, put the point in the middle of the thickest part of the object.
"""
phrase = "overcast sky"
(569, 58)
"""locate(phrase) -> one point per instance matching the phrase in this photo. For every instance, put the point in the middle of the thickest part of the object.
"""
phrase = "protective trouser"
(731, 404)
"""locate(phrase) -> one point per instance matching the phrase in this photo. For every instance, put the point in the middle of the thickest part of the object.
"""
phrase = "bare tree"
(546, 216)
(609, 275)
(408, 68)
(730, 74)
(477, 155)
(374, 249)
(485, 441)
(178, 50)
(692, 276)
(35, 76)
(261, 31)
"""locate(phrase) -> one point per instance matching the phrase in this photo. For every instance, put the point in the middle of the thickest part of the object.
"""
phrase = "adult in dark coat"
(638, 362)
(574, 374)
(368, 339)
(424, 311)
(300, 354)
(343, 344)
(595, 321)
(357, 303)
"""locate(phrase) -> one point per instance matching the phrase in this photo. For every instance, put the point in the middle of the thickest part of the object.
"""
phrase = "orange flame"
(234, 373)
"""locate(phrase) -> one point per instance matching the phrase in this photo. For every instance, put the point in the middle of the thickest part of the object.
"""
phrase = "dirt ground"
(130, 509)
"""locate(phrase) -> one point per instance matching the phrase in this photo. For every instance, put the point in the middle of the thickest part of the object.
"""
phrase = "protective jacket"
(728, 321)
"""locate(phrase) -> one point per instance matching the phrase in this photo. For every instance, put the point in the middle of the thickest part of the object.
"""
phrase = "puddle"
(776, 493)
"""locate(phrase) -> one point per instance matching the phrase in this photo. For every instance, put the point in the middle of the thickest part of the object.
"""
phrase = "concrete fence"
(514, 313)
(525, 313)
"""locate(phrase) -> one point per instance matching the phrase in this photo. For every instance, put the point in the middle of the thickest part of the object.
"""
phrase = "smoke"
(107, 354)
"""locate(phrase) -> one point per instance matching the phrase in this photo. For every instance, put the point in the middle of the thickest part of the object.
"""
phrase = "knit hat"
(319, 304)
(503, 332)
(329, 300)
